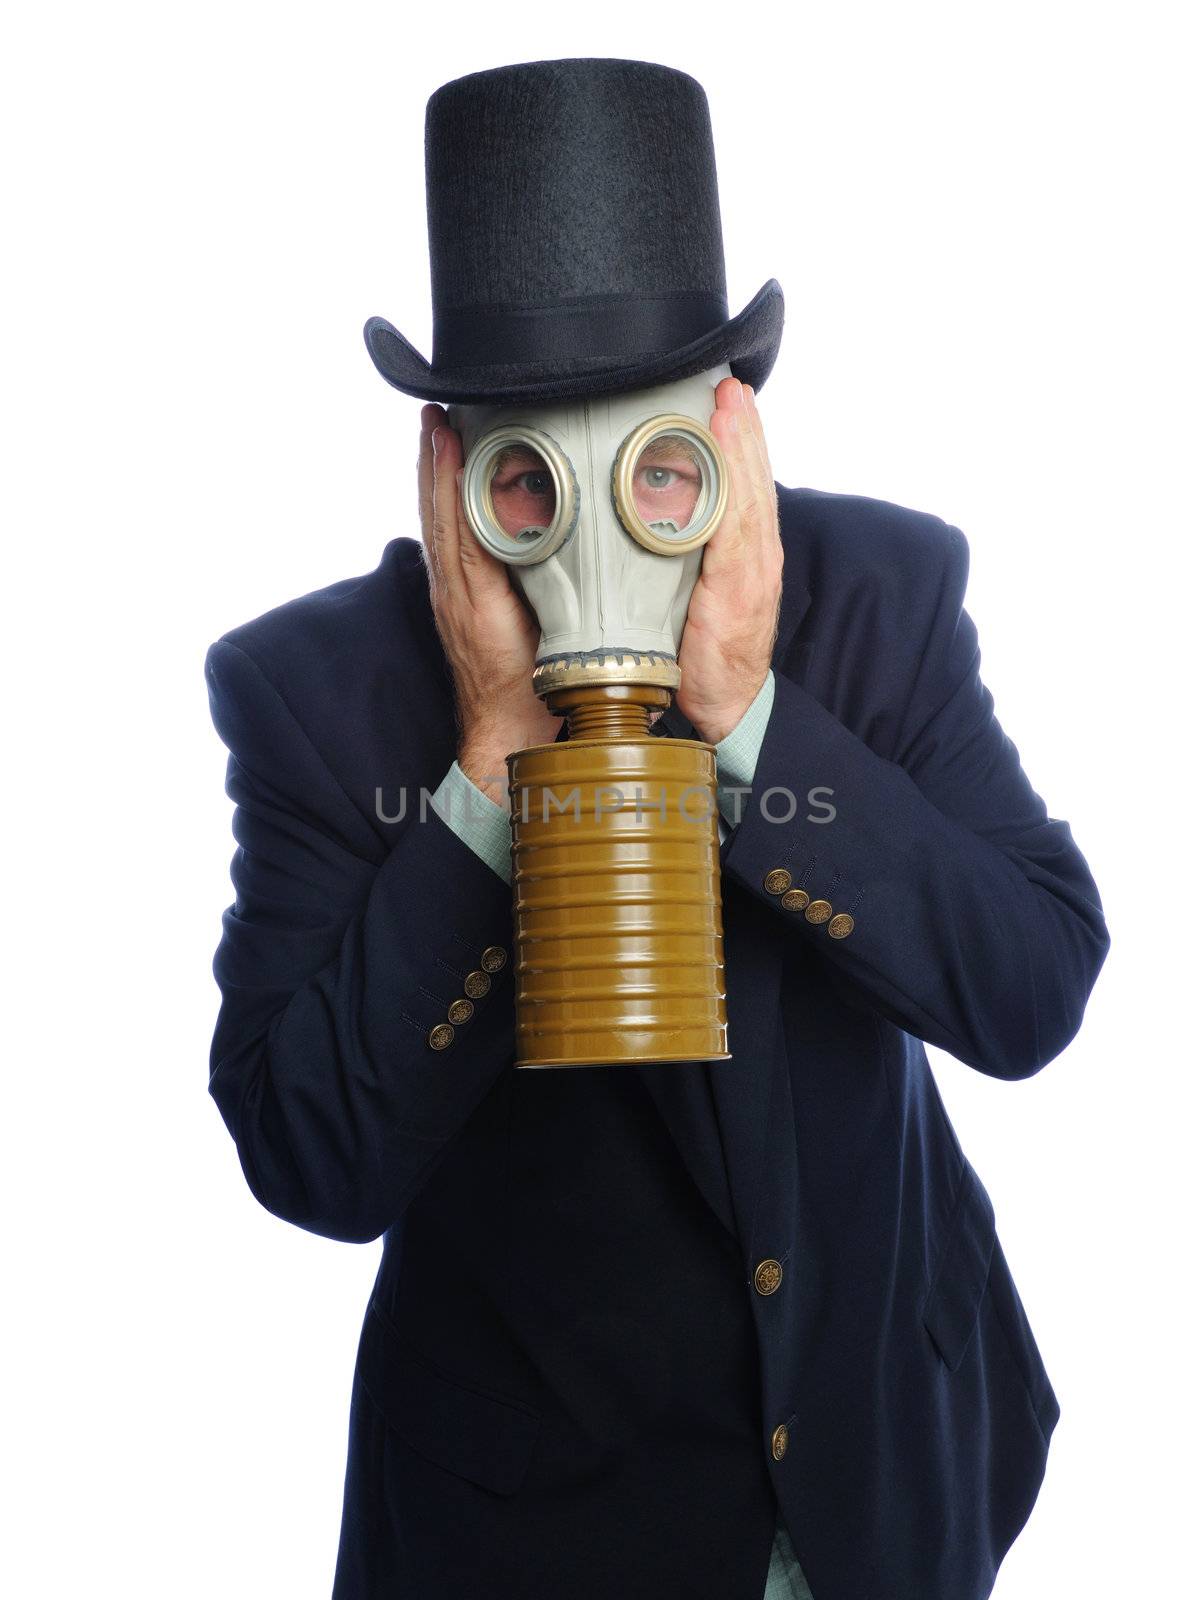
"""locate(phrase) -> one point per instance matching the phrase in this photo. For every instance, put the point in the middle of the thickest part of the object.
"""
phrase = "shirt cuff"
(736, 755)
(473, 817)
(484, 826)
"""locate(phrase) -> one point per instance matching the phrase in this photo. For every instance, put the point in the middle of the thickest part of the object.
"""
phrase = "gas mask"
(601, 508)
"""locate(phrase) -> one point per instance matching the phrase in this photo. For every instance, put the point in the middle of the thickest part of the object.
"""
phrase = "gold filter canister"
(618, 929)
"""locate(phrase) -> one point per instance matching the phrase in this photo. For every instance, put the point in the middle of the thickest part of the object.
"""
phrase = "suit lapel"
(741, 1087)
(683, 1095)
(718, 1113)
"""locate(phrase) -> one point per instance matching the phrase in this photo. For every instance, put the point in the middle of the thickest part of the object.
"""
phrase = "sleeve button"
(796, 900)
(440, 1036)
(460, 1010)
(778, 881)
(841, 925)
(493, 959)
(819, 911)
(476, 984)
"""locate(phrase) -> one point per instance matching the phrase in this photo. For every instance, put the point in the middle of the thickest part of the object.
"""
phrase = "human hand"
(732, 621)
(488, 635)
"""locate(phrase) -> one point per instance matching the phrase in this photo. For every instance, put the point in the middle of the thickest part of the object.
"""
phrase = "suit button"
(781, 1438)
(493, 959)
(460, 1010)
(796, 900)
(440, 1036)
(819, 911)
(778, 881)
(476, 985)
(767, 1279)
(841, 925)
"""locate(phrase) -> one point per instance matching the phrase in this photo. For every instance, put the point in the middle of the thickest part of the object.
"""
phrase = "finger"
(485, 577)
(429, 420)
(728, 545)
(750, 405)
(748, 485)
(732, 398)
(729, 394)
(445, 507)
(757, 456)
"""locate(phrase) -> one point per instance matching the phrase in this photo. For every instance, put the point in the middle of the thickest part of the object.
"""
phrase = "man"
(645, 1330)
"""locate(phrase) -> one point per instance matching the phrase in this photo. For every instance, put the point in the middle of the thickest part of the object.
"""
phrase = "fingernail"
(750, 398)
(744, 396)
(437, 440)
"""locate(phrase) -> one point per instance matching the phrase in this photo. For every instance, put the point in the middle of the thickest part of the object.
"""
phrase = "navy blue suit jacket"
(896, 1351)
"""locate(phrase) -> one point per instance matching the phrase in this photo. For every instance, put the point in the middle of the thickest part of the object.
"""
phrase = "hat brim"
(748, 342)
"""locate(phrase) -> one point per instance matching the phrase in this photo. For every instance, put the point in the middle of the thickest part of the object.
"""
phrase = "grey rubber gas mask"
(600, 508)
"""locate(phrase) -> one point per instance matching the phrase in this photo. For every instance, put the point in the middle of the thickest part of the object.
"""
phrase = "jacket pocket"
(955, 1294)
(476, 1434)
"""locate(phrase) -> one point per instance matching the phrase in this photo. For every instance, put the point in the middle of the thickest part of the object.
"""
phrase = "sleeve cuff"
(473, 817)
(484, 826)
(736, 755)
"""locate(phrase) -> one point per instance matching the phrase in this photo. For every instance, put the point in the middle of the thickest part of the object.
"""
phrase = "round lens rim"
(621, 482)
(478, 506)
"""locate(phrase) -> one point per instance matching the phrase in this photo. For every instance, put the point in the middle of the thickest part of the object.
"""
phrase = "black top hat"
(575, 242)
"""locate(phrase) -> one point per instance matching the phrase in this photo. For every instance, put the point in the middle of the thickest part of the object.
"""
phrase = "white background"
(985, 223)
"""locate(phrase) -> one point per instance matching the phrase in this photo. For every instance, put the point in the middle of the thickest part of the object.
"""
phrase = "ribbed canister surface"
(618, 929)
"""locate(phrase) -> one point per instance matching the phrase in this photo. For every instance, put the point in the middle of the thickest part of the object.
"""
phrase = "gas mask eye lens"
(670, 485)
(520, 494)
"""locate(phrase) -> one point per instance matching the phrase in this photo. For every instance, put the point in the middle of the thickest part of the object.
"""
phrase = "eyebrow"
(670, 445)
(511, 453)
(662, 449)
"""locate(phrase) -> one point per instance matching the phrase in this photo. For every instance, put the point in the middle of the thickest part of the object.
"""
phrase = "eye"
(666, 484)
(669, 484)
(522, 493)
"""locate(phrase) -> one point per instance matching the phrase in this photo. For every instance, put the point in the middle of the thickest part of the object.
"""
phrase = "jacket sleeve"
(333, 1062)
(932, 880)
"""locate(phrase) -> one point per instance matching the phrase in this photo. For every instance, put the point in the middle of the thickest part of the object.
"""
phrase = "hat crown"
(559, 180)
(575, 242)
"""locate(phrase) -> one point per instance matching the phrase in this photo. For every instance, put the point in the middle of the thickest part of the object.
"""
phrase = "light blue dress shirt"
(484, 826)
